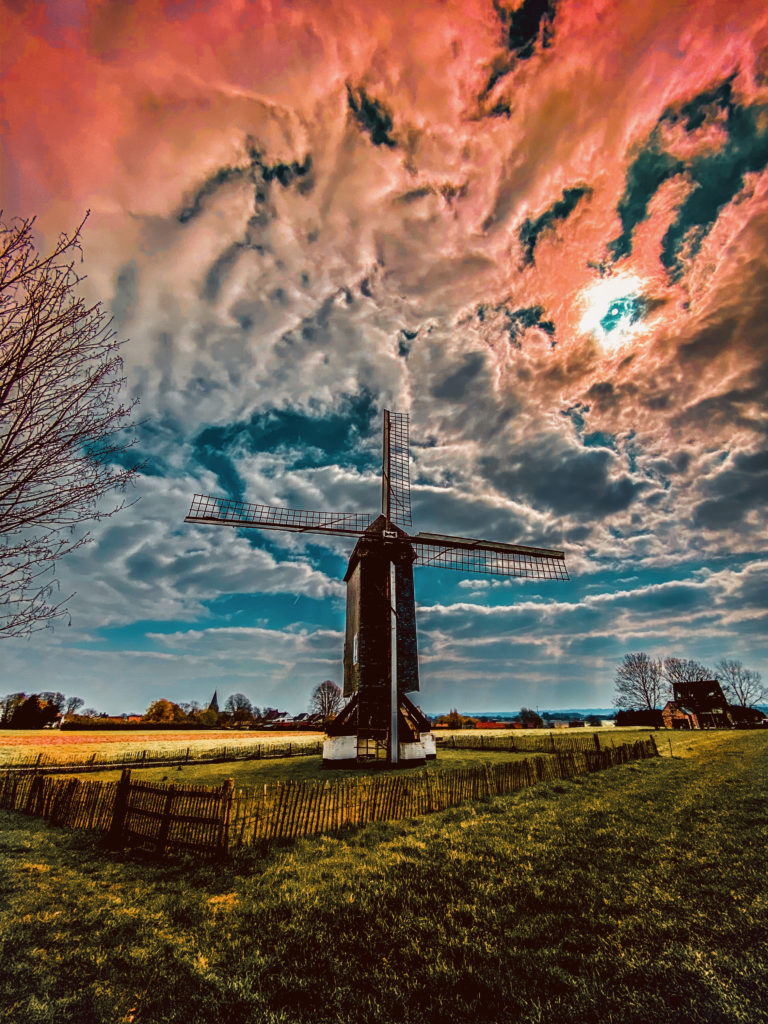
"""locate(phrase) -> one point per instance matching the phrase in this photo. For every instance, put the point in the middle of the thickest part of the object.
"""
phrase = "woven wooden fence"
(51, 765)
(210, 821)
(309, 807)
(76, 803)
(546, 743)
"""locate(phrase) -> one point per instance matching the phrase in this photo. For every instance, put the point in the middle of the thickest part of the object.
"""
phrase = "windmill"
(380, 723)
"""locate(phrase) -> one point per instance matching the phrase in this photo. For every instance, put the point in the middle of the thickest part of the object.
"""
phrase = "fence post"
(119, 811)
(487, 774)
(227, 792)
(596, 738)
(165, 821)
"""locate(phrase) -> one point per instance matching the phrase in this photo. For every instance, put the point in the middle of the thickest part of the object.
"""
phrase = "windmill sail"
(491, 557)
(228, 512)
(395, 474)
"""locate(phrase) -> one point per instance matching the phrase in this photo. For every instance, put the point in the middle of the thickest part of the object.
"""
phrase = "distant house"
(703, 702)
(703, 705)
(274, 719)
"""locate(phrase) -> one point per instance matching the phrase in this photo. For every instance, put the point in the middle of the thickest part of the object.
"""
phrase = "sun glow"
(613, 309)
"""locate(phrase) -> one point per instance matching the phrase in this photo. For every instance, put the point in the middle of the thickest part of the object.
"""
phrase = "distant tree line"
(526, 718)
(35, 710)
(238, 711)
(645, 683)
(38, 710)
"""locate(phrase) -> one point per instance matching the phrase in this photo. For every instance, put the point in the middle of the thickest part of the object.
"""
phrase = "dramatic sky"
(541, 228)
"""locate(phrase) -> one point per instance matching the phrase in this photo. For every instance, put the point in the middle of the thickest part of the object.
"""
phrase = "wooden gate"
(171, 818)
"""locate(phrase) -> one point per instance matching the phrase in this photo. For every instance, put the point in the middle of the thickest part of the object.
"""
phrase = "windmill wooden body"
(380, 723)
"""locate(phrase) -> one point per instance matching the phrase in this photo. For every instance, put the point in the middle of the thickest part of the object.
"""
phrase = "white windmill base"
(341, 751)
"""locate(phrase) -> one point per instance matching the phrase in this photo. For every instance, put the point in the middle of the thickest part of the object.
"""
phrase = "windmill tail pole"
(393, 701)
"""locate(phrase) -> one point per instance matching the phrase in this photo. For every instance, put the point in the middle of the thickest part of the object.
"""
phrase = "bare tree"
(61, 447)
(741, 685)
(685, 670)
(239, 707)
(639, 682)
(72, 705)
(326, 699)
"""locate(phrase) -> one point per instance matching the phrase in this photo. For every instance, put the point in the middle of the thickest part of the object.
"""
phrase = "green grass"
(637, 894)
(251, 773)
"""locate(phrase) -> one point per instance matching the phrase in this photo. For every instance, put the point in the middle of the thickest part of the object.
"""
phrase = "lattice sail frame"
(228, 512)
(487, 557)
(395, 471)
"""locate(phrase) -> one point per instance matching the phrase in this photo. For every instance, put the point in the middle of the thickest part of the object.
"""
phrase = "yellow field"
(67, 746)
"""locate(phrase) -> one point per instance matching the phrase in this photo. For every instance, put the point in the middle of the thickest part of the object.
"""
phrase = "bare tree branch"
(326, 699)
(685, 670)
(741, 685)
(639, 683)
(62, 427)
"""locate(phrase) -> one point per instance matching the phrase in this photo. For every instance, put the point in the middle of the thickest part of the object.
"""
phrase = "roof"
(701, 696)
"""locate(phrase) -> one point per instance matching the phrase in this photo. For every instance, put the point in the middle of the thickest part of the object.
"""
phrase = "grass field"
(69, 746)
(638, 894)
(251, 773)
(76, 745)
